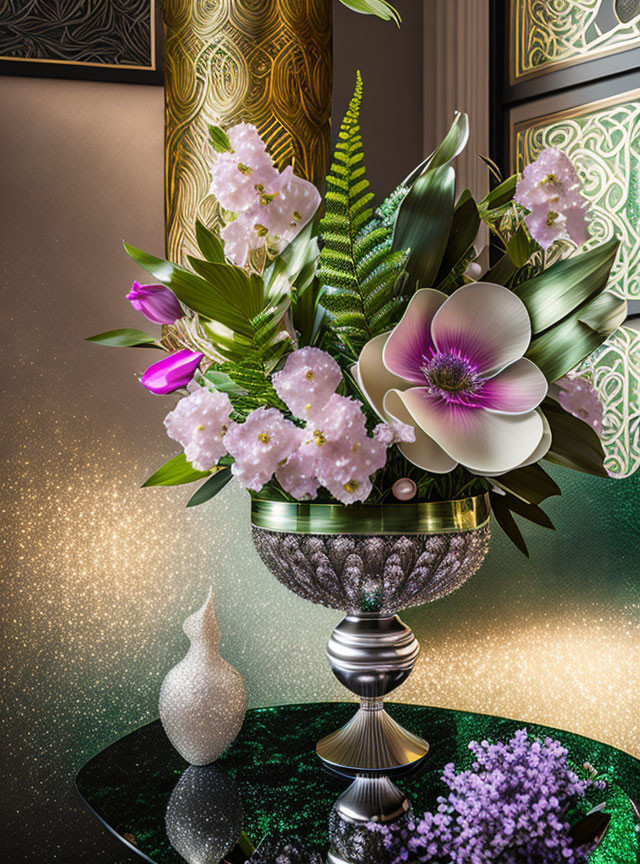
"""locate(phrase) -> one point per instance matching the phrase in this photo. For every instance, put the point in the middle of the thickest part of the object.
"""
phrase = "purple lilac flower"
(510, 807)
(171, 372)
(155, 302)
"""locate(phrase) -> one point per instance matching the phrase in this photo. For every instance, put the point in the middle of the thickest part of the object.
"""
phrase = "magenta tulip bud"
(172, 372)
(156, 303)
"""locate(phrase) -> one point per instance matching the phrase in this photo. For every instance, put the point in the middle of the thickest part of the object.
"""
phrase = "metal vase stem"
(372, 654)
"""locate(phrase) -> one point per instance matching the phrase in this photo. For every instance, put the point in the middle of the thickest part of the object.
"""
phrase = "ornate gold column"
(267, 62)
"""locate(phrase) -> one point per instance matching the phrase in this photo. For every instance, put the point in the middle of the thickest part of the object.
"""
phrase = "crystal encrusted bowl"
(372, 558)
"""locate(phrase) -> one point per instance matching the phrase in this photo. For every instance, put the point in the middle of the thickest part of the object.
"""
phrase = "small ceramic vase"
(202, 699)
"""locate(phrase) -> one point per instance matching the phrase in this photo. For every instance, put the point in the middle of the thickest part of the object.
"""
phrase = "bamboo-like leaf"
(209, 243)
(424, 222)
(505, 520)
(379, 8)
(124, 339)
(244, 293)
(501, 272)
(566, 285)
(175, 472)
(219, 139)
(209, 301)
(574, 443)
(561, 348)
(530, 512)
(531, 484)
(521, 247)
(211, 487)
(499, 196)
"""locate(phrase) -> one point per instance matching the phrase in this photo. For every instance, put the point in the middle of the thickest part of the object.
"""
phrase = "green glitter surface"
(285, 790)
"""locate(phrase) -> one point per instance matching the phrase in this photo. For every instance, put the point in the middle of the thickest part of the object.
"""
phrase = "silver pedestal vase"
(372, 561)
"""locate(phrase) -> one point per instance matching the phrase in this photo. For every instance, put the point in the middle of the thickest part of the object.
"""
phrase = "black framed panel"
(555, 45)
(100, 40)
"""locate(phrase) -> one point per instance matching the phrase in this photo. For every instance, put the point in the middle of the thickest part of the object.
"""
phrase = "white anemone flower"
(454, 369)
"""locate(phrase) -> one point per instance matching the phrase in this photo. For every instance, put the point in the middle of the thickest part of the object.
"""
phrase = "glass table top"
(271, 783)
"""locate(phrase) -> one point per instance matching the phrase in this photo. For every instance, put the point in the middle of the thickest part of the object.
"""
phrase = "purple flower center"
(452, 377)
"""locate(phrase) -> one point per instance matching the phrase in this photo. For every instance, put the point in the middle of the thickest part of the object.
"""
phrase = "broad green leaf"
(464, 229)
(379, 8)
(521, 247)
(209, 243)
(210, 301)
(567, 284)
(424, 222)
(451, 146)
(604, 314)
(531, 484)
(211, 487)
(219, 139)
(124, 339)
(574, 443)
(560, 348)
(175, 472)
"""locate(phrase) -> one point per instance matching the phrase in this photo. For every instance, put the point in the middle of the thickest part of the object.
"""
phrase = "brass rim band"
(433, 517)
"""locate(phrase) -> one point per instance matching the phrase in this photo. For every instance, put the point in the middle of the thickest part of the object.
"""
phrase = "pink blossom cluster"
(270, 207)
(550, 189)
(333, 449)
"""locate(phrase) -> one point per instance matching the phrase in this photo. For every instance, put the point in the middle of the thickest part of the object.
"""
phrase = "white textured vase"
(202, 699)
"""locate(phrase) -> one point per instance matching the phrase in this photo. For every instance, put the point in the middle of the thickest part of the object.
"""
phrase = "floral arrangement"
(519, 802)
(326, 350)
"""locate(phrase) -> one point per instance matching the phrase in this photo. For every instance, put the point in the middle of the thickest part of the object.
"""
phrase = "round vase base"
(372, 743)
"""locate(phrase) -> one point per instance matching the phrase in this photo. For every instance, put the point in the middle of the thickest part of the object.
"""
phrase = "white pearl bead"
(404, 489)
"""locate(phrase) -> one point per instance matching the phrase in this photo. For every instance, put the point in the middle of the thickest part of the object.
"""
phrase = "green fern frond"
(358, 272)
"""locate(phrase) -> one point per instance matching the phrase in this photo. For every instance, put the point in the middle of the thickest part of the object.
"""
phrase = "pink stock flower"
(171, 372)
(336, 453)
(259, 445)
(580, 398)
(453, 368)
(394, 432)
(309, 378)
(199, 422)
(236, 174)
(271, 207)
(155, 302)
(550, 189)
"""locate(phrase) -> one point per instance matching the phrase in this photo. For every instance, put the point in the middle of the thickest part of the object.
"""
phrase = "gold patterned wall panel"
(263, 61)
(546, 35)
(603, 140)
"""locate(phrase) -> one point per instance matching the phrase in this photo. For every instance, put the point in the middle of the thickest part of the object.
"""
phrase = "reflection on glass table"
(270, 784)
